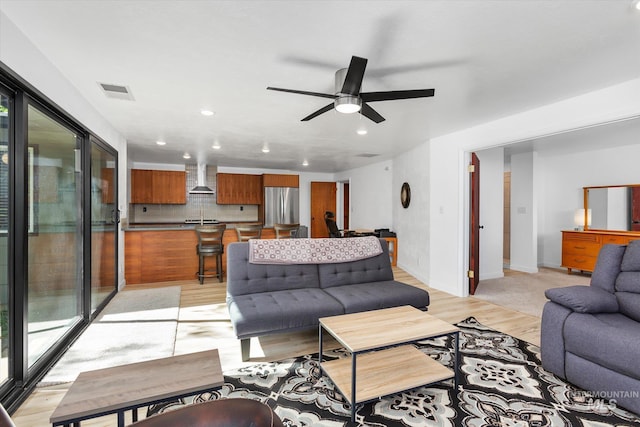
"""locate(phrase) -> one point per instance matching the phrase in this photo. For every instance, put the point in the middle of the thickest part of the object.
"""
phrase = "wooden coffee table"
(128, 387)
(385, 364)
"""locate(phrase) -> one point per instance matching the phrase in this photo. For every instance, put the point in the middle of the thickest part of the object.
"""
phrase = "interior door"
(347, 208)
(474, 224)
(635, 208)
(323, 198)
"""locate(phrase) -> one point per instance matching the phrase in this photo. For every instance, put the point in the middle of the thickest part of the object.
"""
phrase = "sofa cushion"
(374, 269)
(607, 267)
(377, 295)
(584, 299)
(629, 303)
(631, 258)
(278, 311)
(244, 278)
(617, 338)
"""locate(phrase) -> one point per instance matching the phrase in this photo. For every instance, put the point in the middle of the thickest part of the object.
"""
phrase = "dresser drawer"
(615, 240)
(580, 248)
(579, 262)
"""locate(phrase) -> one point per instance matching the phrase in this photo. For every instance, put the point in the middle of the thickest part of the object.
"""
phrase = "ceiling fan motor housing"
(345, 103)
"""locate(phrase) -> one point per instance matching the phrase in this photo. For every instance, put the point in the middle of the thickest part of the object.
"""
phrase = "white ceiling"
(485, 59)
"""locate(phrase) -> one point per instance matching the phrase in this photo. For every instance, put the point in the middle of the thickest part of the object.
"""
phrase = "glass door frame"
(87, 150)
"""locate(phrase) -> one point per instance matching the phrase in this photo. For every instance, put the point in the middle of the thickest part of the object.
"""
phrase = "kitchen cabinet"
(279, 180)
(238, 189)
(580, 248)
(158, 187)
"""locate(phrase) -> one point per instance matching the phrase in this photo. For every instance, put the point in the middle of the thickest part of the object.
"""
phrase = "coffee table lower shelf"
(384, 372)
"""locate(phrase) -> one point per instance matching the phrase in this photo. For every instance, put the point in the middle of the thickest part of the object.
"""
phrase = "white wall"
(491, 212)
(19, 54)
(412, 224)
(447, 234)
(564, 176)
(370, 195)
(524, 213)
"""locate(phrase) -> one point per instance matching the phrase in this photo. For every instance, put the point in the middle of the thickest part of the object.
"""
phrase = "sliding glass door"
(104, 223)
(54, 222)
(5, 314)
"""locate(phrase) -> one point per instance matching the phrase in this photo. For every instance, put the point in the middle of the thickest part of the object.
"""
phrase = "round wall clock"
(405, 195)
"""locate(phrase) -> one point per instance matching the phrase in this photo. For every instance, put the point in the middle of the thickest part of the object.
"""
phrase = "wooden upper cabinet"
(277, 180)
(158, 187)
(238, 189)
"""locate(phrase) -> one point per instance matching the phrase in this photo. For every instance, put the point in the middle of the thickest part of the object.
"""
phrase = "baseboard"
(524, 269)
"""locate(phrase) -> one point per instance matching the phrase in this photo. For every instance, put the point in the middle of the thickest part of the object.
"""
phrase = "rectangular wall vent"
(116, 91)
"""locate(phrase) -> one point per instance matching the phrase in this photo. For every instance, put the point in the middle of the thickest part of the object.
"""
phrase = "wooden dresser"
(580, 248)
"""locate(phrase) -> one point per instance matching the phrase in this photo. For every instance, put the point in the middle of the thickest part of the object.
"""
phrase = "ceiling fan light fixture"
(348, 104)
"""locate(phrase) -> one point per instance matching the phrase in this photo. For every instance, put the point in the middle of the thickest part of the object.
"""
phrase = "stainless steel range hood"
(201, 187)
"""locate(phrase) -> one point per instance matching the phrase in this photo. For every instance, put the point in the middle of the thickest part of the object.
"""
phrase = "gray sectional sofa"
(590, 335)
(268, 299)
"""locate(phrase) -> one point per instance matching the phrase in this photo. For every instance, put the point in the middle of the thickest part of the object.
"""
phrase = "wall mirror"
(613, 207)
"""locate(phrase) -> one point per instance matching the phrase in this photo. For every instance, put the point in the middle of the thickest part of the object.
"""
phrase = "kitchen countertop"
(164, 226)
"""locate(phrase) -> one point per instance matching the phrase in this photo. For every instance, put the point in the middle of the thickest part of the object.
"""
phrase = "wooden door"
(323, 198)
(345, 203)
(635, 208)
(474, 224)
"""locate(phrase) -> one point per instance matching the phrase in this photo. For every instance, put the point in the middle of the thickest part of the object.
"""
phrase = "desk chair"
(210, 244)
(286, 231)
(332, 227)
(248, 231)
(5, 419)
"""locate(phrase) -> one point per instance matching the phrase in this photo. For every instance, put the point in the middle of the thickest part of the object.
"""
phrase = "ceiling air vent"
(367, 155)
(116, 91)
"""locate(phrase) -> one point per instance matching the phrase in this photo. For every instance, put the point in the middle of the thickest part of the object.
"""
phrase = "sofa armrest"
(584, 299)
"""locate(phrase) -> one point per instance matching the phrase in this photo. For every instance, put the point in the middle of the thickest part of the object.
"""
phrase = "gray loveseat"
(590, 335)
(268, 299)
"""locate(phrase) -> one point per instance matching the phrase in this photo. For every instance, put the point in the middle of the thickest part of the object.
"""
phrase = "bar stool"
(286, 231)
(210, 244)
(248, 231)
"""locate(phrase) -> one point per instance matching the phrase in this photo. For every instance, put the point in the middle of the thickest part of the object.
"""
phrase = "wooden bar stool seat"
(210, 245)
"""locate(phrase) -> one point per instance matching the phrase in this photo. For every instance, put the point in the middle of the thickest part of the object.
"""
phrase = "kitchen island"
(167, 252)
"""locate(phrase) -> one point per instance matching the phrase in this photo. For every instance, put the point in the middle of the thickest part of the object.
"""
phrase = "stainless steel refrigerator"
(281, 206)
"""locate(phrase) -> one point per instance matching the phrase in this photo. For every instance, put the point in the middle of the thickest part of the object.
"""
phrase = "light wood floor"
(204, 324)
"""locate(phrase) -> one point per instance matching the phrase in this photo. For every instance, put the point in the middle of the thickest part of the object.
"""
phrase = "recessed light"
(265, 148)
(161, 143)
(186, 156)
(206, 112)
(305, 163)
(361, 131)
(216, 146)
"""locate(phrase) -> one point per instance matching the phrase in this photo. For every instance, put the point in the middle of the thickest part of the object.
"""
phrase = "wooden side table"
(393, 249)
(129, 387)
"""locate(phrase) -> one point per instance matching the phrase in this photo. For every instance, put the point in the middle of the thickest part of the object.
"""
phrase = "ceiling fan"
(348, 98)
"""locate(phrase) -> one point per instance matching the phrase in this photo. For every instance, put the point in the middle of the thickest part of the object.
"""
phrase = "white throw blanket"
(312, 251)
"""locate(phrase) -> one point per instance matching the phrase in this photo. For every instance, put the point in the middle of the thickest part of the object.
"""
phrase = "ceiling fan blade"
(355, 74)
(317, 113)
(371, 114)
(303, 92)
(396, 94)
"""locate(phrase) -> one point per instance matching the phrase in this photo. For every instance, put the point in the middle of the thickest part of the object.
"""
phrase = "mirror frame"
(586, 207)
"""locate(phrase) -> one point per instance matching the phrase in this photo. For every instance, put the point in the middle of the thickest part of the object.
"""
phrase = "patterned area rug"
(502, 384)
